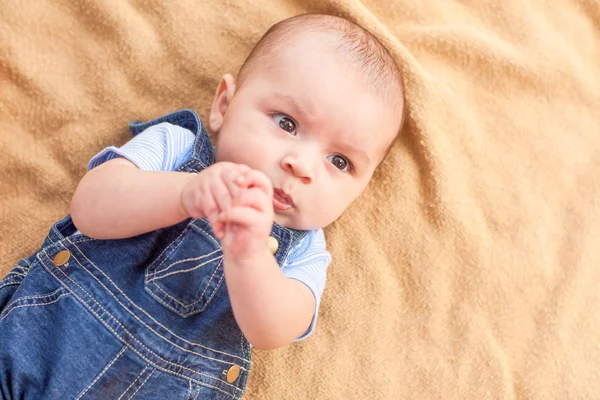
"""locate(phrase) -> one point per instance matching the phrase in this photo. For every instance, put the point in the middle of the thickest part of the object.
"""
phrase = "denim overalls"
(146, 317)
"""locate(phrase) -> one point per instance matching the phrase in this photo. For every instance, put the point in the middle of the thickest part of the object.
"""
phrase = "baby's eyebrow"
(304, 114)
(347, 148)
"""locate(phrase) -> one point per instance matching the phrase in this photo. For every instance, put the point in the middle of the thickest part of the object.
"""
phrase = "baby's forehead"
(363, 51)
(326, 47)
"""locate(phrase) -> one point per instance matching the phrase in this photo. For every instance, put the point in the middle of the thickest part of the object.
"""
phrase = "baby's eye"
(285, 123)
(340, 163)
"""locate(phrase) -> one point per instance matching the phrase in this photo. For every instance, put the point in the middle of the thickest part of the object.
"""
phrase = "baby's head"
(316, 106)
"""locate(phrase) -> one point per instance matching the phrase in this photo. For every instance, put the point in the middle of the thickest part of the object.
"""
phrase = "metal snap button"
(272, 244)
(62, 257)
(233, 373)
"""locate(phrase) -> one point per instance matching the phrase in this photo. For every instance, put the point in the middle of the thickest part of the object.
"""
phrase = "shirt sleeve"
(307, 262)
(161, 147)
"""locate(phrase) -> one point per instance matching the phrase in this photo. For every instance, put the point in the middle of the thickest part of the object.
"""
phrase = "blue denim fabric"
(147, 316)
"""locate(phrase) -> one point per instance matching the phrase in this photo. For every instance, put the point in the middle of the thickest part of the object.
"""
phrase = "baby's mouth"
(281, 200)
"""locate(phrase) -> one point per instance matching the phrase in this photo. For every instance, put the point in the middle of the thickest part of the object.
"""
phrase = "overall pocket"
(189, 272)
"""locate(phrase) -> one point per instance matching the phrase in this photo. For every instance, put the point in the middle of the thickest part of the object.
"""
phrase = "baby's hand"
(211, 192)
(249, 220)
(238, 203)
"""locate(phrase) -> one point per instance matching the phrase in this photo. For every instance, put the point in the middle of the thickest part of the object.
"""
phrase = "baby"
(178, 257)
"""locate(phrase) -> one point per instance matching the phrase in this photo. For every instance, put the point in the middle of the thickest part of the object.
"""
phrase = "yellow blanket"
(470, 267)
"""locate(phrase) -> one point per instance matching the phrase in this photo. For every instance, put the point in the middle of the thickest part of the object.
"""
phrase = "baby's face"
(311, 124)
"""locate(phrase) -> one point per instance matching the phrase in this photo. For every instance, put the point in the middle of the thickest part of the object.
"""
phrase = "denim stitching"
(173, 299)
(26, 261)
(190, 163)
(24, 268)
(49, 236)
(186, 260)
(197, 392)
(115, 358)
(186, 270)
(133, 382)
(170, 307)
(218, 285)
(136, 351)
(13, 272)
(158, 270)
(202, 294)
(19, 300)
(31, 305)
(9, 284)
(189, 391)
(142, 385)
(148, 315)
(209, 236)
(11, 279)
(278, 235)
(40, 297)
(151, 267)
(80, 240)
(20, 269)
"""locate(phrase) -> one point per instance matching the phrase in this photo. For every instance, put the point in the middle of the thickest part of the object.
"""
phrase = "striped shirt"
(163, 147)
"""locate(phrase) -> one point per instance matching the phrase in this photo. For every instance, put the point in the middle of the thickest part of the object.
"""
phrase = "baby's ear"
(223, 97)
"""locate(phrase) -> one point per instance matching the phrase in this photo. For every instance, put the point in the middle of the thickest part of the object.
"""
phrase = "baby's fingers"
(197, 199)
(243, 216)
(231, 176)
(257, 179)
(254, 198)
(223, 185)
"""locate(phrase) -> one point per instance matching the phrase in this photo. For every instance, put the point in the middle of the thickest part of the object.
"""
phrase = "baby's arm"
(117, 200)
(270, 309)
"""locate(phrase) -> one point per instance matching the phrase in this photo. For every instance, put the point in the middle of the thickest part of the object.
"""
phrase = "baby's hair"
(374, 61)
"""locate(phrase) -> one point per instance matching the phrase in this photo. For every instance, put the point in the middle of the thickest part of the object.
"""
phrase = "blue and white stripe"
(308, 262)
(163, 147)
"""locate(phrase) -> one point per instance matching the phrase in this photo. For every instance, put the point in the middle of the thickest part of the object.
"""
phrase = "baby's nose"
(298, 169)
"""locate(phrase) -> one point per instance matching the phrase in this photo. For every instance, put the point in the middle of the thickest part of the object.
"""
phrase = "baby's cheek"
(335, 206)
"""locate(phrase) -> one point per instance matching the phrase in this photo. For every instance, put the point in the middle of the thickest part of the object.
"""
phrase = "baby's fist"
(211, 192)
